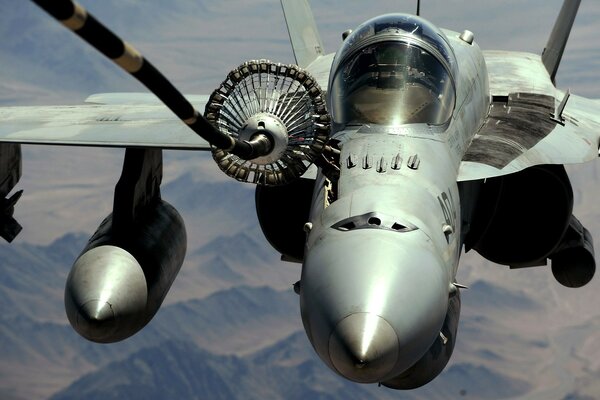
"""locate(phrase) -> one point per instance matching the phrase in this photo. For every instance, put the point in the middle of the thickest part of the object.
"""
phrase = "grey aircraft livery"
(393, 155)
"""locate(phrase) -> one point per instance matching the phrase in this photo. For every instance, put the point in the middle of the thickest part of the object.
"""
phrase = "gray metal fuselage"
(382, 252)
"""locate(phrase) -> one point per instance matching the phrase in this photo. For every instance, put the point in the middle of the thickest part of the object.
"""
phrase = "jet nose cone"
(363, 347)
(96, 320)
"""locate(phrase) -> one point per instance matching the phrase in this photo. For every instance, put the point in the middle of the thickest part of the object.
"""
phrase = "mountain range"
(241, 340)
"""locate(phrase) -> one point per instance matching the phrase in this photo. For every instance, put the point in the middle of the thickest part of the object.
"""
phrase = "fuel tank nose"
(363, 347)
(96, 320)
(106, 295)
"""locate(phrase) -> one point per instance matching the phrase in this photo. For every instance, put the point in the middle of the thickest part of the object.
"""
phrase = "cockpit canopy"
(394, 69)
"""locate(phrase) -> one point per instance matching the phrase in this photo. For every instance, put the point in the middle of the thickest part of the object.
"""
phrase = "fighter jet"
(395, 154)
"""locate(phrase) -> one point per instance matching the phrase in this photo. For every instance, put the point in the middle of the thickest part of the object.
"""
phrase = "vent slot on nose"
(347, 226)
(398, 227)
(373, 221)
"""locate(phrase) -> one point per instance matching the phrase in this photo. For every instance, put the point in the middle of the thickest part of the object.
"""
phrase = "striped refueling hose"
(76, 18)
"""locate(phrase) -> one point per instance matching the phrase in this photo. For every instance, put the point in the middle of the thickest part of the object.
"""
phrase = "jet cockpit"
(394, 69)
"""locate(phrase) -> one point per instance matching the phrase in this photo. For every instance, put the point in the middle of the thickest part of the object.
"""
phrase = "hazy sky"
(197, 48)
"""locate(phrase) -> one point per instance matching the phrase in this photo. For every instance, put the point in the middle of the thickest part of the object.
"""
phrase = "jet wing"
(106, 120)
(525, 125)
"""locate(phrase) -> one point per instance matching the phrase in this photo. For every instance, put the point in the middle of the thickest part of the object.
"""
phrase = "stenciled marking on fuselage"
(448, 208)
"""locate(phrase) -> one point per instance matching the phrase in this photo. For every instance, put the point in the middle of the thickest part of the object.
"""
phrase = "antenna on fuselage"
(418, 8)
